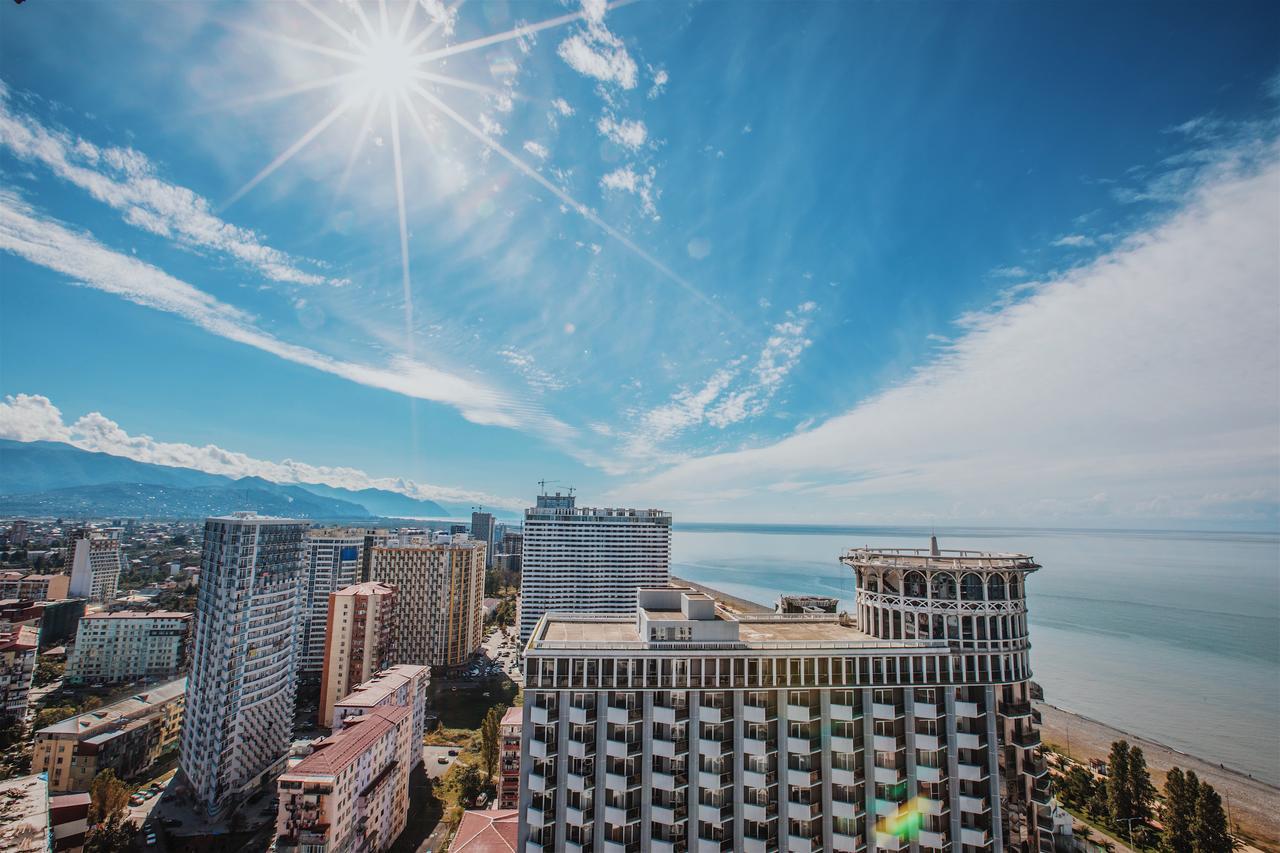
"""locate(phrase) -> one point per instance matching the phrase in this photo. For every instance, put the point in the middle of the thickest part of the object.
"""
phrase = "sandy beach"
(741, 605)
(1253, 805)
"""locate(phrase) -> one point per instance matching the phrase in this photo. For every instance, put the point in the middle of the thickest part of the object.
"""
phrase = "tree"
(108, 798)
(114, 836)
(1099, 806)
(1119, 804)
(1141, 791)
(47, 672)
(1076, 787)
(1180, 795)
(470, 783)
(490, 739)
(1209, 827)
(52, 714)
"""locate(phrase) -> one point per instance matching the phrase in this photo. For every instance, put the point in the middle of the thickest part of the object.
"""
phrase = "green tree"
(13, 731)
(1141, 791)
(1209, 832)
(470, 783)
(52, 714)
(1099, 805)
(114, 836)
(1119, 791)
(490, 739)
(108, 798)
(1076, 787)
(1176, 813)
(48, 671)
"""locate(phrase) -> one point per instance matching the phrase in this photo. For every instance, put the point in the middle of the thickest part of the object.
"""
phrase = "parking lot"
(437, 759)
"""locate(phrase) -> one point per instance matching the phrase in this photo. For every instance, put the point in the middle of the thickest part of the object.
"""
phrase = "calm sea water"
(1173, 636)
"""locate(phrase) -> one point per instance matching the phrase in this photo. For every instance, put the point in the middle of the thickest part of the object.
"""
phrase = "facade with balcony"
(689, 727)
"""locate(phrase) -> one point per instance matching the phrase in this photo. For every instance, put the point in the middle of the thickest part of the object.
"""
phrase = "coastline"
(740, 605)
(1251, 802)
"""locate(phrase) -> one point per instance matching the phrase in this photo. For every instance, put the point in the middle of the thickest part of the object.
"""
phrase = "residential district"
(259, 683)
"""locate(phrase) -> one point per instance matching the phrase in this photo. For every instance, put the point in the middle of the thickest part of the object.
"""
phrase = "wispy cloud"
(639, 184)
(537, 377)
(33, 417)
(537, 149)
(84, 260)
(594, 51)
(1074, 241)
(125, 180)
(1144, 384)
(628, 133)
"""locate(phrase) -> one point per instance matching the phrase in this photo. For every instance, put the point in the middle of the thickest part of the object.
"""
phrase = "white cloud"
(87, 262)
(444, 15)
(32, 417)
(698, 248)
(594, 51)
(1010, 272)
(629, 133)
(537, 150)
(125, 180)
(562, 107)
(1143, 384)
(639, 184)
(660, 80)
(490, 127)
(1076, 241)
(527, 365)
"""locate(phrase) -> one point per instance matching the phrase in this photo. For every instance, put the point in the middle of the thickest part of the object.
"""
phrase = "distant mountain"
(51, 478)
(148, 500)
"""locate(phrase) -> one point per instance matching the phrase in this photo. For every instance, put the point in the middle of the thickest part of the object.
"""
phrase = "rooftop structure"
(493, 831)
(404, 685)
(97, 560)
(37, 587)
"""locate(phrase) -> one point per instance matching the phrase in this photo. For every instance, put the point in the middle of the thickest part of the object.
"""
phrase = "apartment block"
(126, 736)
(688, 726)
(97, 561)
(360, 623)
(509, 759)
(352, 791)
(483, 530)
(240, 694)
(127, 645)
(401, 686)
(333, 561)
(17, 667)
(585, 560)
(440, 581)
(37, 587)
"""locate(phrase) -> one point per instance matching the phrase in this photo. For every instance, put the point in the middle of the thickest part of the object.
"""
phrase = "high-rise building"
(583, 560)
(688, 726)
(126, 736)
(510, 550)
(372, 539)
(240, 693)
(17, 668)
(18, 532)
(483, 530)
(440, 581)
(358, 640)
(333, 561)
(97, 560)
(126, 645)
(352, 792)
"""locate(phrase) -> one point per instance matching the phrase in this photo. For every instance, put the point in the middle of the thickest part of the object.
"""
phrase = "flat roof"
(564, 631)
(24, 814)
(141, 614)
(380, 685)
(801, 630)
(117, 713)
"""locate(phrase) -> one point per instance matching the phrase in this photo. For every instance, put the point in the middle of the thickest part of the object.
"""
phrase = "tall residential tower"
(358, 640)
(583, 560)
(333, 561)
(97, 560)
(240, 693)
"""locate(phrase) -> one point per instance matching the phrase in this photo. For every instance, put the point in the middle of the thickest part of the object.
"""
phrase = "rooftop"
(141, 614)
(22, 638)
(514, 716)
(372, 693)
(334, 753)
(90, 723)
(24, 814)
(367, 588)
(493, 831)
(919, 558)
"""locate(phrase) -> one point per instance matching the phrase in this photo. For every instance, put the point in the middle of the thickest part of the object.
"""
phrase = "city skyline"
(854, 264)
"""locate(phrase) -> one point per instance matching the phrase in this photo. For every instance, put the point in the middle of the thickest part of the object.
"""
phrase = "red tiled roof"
(336, 752)
(514, 716)
(487, 832)
(22, 639)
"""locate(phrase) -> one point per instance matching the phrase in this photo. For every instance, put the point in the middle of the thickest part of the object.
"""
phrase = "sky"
(926, 263)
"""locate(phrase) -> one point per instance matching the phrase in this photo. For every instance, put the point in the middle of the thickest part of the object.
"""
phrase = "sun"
(387, 66)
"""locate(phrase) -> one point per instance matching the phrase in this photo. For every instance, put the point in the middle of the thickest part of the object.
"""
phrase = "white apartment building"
(404, 686)
(97, 560)
(128, 645)
(439, 581)
(332, 562)
(352, 792)
(240, 692)
(690, 727)
(584, 560)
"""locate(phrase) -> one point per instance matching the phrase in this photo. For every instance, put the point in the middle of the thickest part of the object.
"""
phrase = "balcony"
(804, 843)
(619, 847)
(620, 817)
(669, 716)
(890, 775)
(974, 837)
(1013, 710)
(670, 815)
(711, 780)
(846, 843)
(618, 782)
(537, 783)
(669, 781)
(577, 816)
(1034, 767)
(934, 840)
(759, 813)
(581, 716)
(967, 740)
(1026, 740)
(707, 714)
(540, 716)
(886, 808)
(842, 712)
(797, 810)
(756, 779)
(712, 814)
(576, 847)
(755, 746)
(803, 778)
(576, 781)
(925, 710)
(711, 747)
(669, 748)
(840, 743)
(843, 776)
(928, 742)
(623, 716)
(581, 748)
(973, 772)
(889, 841)
(658, 845)
(756, 714)
(881, 711)
(1040, 794)
(541, 749)
(929, 805)
(886, 743)
(802, 746)
(843, 808)
(536, 818)
(974, 805)
(754, 845)
(800, 713)
(621, 749)
(968, 710)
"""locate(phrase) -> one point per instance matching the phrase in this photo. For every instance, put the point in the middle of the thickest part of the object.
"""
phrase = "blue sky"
(838, 262)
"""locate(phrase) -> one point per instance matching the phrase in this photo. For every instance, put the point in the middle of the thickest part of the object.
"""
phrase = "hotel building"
(440, 581)
(333, 562)
(128, 645)
(126, 736)
(360, 620)
(97, 560)
(583, 560)
(240, 694)
(17, 668)
(352, 792)
(690, 727)
(401, 686)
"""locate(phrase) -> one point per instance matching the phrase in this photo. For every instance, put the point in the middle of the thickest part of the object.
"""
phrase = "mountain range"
(52, 478)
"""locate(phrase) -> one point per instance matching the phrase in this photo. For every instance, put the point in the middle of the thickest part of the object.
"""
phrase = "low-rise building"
(360, 620)
(493, 831)
(37, 587)
(128, 645)
(509, 760)
(352, 792)
(126, 736)
(24, 815)
(402, 686)
(69, 820)
(17, 667)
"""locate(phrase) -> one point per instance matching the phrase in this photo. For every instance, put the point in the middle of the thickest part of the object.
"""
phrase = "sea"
(1173, 636)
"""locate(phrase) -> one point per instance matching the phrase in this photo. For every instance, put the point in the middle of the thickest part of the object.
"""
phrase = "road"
(431, 756)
